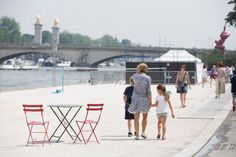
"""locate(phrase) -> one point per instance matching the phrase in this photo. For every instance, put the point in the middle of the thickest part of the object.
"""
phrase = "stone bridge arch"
(2, 59)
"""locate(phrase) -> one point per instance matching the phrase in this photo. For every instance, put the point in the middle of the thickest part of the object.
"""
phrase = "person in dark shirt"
(233, 89)
(127, 99)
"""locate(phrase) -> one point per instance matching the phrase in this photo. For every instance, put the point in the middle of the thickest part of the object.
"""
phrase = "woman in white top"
(162, 100)
(204, 75)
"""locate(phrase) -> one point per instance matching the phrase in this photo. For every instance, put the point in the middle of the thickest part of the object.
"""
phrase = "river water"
(19, 79)
(46, 77)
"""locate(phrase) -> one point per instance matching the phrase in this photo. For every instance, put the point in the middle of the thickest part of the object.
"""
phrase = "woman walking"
(141, 99)
(182, 83)
(212, 74)
(220, 80)
(204, 75)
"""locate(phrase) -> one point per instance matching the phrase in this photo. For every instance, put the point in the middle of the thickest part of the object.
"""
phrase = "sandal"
(136, 138)
(143, 136)
(158, 136)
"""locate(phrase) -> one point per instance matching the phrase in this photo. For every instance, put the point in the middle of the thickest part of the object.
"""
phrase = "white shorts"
(159, 115)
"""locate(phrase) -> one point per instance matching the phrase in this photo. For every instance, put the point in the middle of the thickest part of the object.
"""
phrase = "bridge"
(85, 55)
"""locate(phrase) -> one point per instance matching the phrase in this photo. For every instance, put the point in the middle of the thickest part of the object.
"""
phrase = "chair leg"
(45, 133)
(80, 132)
(30, 135)
(93, 132)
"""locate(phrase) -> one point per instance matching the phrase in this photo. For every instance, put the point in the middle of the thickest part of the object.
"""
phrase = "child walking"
(127, 99)
(233, 89)
(162, 101)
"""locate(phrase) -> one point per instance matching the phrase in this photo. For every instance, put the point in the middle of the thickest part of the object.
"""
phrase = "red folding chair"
(30, 113)
(94, 110)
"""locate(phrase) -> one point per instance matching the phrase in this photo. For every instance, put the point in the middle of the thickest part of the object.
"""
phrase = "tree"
(81, 39)
(107, 40)
(231, 16)
(65, 38)
(46, 37)
(126, 42)
(9, 30)
(212, 57)
(27, 39)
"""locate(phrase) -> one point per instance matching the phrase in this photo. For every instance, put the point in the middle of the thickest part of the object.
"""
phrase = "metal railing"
(15, 79)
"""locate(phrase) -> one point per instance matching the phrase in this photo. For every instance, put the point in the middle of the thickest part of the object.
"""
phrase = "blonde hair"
(162, 88)
(142, 67)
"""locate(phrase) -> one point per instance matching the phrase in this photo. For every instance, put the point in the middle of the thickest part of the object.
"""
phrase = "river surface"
(49, 77)
(44, 77)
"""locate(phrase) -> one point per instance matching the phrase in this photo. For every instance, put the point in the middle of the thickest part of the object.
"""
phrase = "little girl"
(162, 100)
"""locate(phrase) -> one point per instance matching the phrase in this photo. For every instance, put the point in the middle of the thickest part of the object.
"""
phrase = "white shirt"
(204, 72)
(162, 104)
(230, 71)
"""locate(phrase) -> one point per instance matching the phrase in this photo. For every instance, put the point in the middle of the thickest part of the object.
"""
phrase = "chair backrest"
(30, 108)
(94, 112)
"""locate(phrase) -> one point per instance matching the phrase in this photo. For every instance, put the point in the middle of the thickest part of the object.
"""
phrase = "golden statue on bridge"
(56, 23)
(38, 19)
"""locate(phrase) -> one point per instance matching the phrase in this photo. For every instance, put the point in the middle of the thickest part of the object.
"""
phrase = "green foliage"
(10, 33)
(215, 56)
(27, 39)
(231, 16)
(126, 42)
(107, 40)
(9, 30)
(46, 37)
(212, 57)
(81, 40)
(65, 38)
(231, 60)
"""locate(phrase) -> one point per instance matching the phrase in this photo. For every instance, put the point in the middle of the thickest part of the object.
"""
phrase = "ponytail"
(165, 93)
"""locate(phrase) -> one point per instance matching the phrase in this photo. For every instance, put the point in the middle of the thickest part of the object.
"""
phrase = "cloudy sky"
(182, 23)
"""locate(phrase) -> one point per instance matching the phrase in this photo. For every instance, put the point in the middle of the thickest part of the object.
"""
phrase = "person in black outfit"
(233, 89)
(127, 99)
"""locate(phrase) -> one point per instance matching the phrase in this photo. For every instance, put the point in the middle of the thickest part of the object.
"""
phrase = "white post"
(55, 42)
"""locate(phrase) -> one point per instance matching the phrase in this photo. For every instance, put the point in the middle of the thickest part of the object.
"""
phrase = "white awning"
(177, 56)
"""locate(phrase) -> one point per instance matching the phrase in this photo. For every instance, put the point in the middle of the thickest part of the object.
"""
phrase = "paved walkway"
(223, 142)
(186, 134)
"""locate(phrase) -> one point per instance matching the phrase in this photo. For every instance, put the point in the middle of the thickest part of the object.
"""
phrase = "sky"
(178, 23)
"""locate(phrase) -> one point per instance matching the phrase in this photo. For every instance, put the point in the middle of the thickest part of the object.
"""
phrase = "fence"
(11, 80)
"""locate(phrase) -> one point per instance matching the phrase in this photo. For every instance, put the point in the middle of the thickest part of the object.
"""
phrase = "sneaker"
(143, 136)
(136, 138)
(158, 136)
(129, 134)
(135, 133)
(234, 108)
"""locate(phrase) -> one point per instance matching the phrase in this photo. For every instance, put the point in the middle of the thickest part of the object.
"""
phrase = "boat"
(9, 64)
(64, 64)
(18, 64)
(28, 65)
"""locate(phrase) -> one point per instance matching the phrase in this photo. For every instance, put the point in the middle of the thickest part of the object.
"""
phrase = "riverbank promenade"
(186, 134)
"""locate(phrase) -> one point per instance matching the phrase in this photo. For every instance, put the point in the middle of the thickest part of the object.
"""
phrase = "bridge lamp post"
(55, 42)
